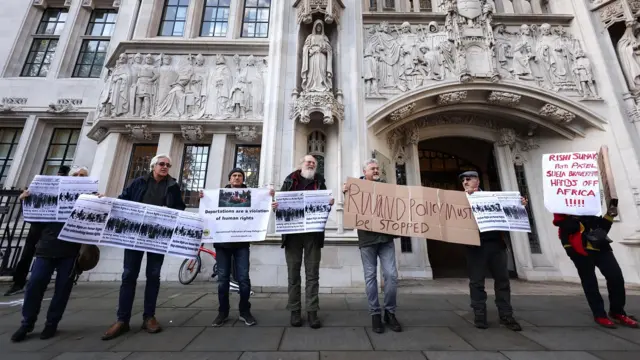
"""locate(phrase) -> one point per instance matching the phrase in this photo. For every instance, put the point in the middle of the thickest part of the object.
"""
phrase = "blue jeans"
(40, 276)
(386, 252)
(132, 262)
(241, 261)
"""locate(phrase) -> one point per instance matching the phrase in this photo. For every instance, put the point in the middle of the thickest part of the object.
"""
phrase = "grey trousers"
(386, 253)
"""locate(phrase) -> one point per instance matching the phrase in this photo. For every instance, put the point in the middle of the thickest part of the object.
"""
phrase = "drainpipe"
(136, 12)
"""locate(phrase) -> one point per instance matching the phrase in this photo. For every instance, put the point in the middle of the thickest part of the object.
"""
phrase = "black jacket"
(49, 246)
(290, 183)
(233, 245)
(369, 238)
(135, 192)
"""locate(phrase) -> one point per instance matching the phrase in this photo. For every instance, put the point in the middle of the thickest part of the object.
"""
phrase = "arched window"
(316, 146)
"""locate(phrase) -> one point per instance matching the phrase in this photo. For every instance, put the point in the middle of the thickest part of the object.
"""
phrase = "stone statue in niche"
(145, 88)
(503, 49)
(167, 76)
(317, 64)
(240, 97)
(628, 49)
(555, 55)
(371, 58)
(115, 98)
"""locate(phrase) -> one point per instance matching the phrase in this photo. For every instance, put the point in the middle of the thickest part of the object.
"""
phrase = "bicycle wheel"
(189, 270)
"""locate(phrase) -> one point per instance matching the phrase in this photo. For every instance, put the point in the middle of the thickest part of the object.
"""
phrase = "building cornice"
(506, 19)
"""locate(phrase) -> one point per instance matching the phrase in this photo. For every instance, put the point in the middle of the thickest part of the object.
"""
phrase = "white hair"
(302, 160)
(77, 168)
(369, 162)
(155, 159)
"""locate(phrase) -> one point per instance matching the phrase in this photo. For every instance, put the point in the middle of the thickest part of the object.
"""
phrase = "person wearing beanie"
(236, 254)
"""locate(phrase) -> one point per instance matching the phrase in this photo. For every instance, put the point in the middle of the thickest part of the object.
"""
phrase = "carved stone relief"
(530, 143)
(403, 112)
(89, 4)
(12, 104)
(557, 114)
(305, 9)
(504, 98)
(99, 134)
(470, 45)
(507, 137)
(246, 133)
(452, 98)
(191, 132)
(185, 87)
(139, 132)
(64, 105)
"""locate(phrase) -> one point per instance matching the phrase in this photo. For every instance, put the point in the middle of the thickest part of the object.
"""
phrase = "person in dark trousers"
(372, 246)
(586, 242)
(52, 254)
(239, 252)
(160, 189)
(491, 253)
(309, 244)
(28, 250)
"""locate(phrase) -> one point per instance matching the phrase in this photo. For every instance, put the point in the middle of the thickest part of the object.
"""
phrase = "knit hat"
(237, 170)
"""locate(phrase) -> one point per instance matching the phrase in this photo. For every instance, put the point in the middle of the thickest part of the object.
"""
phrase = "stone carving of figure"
(115, 100)
(145, 88)
(388, 55)
(256, 87)
(136, 66)
(371, 58)
(408, 56)
(167, 76)
(196, 91)
(317, 55)
(583, 72)
(447, 51)
(554, 56)
(223, 80)
(239, 98)
(503, 50)
(628, 53)
(174, 104)
(523, 54)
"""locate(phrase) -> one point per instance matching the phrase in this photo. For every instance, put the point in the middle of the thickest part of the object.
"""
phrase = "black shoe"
(14, 290)
(376, 323)
(21, 333)
(296, 318)
(480, 320)
(220, 319)
(48, 332)
(510, 323)
(248, 319)
(314, 322)
(390, 319)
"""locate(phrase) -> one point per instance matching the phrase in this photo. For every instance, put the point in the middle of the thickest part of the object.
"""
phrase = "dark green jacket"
(290, 183)
(370, 238)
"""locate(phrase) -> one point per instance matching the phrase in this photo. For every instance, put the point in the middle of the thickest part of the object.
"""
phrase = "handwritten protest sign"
(606, 176)
(415, 211)
(571, 183)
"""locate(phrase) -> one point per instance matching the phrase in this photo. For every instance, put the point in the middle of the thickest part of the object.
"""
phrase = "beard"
(376, 177)
(308, 173)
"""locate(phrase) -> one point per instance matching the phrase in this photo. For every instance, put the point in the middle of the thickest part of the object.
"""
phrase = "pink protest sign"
(571, 183)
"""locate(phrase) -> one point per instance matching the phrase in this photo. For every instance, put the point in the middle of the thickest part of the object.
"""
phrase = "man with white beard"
(309, 244)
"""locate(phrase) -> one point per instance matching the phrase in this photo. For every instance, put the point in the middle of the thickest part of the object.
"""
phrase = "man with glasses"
(160, 189)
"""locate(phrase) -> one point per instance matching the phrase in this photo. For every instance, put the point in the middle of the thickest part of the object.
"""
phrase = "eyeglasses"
(163, 164)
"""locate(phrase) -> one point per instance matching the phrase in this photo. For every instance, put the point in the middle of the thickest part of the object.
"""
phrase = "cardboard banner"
(606, 177)
(414, 211)
(132, 225)
(571, 183)
(235, 214)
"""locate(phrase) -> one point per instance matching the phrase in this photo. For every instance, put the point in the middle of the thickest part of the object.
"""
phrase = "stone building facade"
(428, 87)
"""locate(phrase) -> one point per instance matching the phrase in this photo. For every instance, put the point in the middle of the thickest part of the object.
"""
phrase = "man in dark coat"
(52, 254)
(160, 189)
(491, 253)
(239, 252)
(309, 244)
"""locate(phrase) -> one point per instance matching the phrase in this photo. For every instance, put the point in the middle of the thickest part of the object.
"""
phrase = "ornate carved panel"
(507, 137)
(305, 9)
(12, 104)
(192, 132)
(246, 133)
(452, 98)
(64, 105)
(504, 98)
(403, 112)
(161, 86)
(557, 114)
(139, 132)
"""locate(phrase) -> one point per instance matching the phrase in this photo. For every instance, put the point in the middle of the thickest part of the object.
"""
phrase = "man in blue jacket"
(160, 189)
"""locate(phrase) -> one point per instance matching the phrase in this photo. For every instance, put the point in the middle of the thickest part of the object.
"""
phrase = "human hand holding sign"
(524, 200)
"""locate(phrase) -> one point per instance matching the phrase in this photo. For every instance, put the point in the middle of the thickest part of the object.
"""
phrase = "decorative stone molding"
(398, 58)
(412, 134)
(139, 132)
(305, 104)
(185, 87)
(88, 4)
(403, 112)
(400, 155)
(507, 137)
(99, 134)
(557, 114)
(116, 3)
(40, 4)
(192, 132)
(64, 105)
(530, 143)
(457, 120)
(305, 9)
(12, 104)
(246, 133)
(612, 13)
(452, 98)
(502, 98)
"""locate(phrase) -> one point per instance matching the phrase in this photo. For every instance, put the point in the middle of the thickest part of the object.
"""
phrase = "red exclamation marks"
(566, 201)
(582, 203)
(572, 202)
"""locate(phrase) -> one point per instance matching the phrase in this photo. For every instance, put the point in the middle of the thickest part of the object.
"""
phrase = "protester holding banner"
(160, 189)
(52, 255)
(239, 252)
(586, 242)
(372, 246)
(492, 253)
(309, 244)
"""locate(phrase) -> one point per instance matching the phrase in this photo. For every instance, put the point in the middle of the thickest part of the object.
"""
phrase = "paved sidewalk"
(435, 314)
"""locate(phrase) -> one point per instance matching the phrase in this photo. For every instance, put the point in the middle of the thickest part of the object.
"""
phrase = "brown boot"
(116, 330)
(151, 325)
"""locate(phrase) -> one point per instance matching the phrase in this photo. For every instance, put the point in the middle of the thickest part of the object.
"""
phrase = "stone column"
(215, 176)
(412, 165)
(86, 149)
(507, 6)
(63, 41)
(508, 181)
(110, 163)
(172, 145)
(28, 131)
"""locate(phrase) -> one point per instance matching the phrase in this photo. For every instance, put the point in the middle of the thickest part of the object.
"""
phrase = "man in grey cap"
(491, 253)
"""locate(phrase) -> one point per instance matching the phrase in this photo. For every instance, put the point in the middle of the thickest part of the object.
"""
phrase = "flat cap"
(468, 174)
